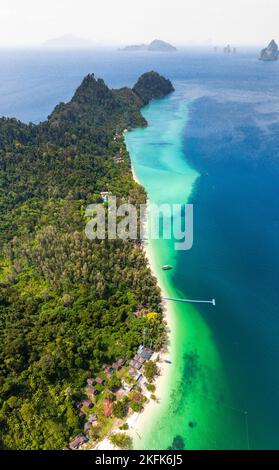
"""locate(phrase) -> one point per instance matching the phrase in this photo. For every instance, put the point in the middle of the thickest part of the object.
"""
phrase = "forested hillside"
(67, 303)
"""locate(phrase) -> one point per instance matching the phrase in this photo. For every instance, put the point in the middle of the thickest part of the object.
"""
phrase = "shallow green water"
(197, 410)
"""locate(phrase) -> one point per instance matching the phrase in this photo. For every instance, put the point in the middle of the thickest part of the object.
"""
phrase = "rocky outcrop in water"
(152, 85)
(270, 52)
(227, 49)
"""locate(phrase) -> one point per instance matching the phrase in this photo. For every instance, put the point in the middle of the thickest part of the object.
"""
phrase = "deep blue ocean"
(232, 139)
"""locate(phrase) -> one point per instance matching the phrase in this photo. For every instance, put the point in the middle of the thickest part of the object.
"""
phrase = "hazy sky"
(129, 21)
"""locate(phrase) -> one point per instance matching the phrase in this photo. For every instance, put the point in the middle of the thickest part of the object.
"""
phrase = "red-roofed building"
(108, 408)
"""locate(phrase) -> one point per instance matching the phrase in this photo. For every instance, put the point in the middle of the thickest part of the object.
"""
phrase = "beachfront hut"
(99, 381)
(145, 353)
(87, 426)
(139, 312)
(87, 403)
(137, 365)
(78, 441)
(120, 393)
(90, 390)
(121, 362)
(118, 364)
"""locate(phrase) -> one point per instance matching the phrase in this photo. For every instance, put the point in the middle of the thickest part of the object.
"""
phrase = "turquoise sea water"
(217, 137)
(196, 409)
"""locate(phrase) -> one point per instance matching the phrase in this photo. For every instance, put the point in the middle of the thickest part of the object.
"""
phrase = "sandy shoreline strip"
(139, 422)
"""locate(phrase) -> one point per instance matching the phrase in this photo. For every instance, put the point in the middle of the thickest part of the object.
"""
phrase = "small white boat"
(167, 267)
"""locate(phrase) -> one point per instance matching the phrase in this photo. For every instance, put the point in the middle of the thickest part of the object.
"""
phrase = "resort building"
(90, 390)
(118, 364)
(78, 441)
(99, 381)
(145, 353)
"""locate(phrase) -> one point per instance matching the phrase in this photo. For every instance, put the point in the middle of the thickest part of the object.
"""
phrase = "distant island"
(155, 46)
(270, 52)
(67, 40)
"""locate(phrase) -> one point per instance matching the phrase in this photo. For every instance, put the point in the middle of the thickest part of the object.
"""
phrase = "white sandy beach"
(139, 422)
